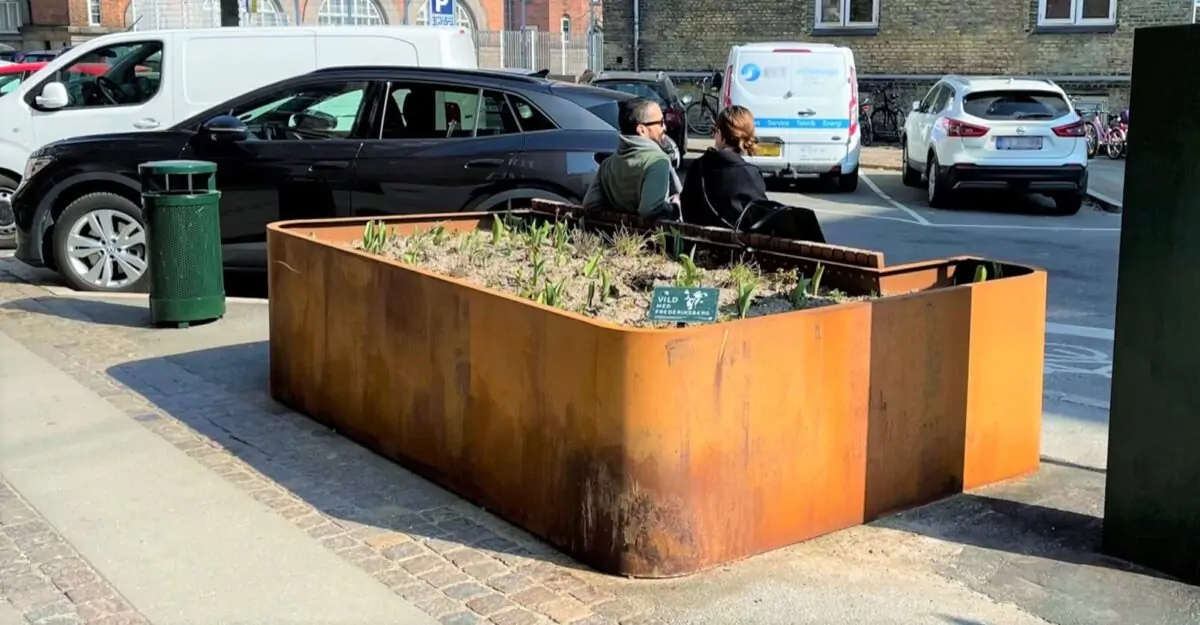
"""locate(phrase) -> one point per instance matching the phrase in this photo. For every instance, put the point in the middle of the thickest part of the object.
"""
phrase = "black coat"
(719, 186)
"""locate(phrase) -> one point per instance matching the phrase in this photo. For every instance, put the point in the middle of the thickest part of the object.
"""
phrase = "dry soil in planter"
(606, 276)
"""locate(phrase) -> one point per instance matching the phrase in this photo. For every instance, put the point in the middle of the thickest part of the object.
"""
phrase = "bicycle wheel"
(867, 129)
(1115, 145)
(1093, 143)
(883, 123)
(700, 118)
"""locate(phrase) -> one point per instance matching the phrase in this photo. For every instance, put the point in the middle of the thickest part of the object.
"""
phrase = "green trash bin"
(181, 205)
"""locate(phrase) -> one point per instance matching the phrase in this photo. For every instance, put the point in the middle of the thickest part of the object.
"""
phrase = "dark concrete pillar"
(1152, 503)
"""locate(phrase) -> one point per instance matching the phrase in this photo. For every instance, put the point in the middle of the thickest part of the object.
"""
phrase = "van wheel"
(100, 245)
(846, 183)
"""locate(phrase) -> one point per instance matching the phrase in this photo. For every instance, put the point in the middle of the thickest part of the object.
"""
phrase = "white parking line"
(1086, 332)
(923, 222)
(897, 205)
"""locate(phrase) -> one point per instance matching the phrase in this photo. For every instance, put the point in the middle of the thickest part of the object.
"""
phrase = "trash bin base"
(184, 311)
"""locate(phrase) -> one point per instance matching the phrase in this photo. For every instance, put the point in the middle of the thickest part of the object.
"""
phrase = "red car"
(12, 75)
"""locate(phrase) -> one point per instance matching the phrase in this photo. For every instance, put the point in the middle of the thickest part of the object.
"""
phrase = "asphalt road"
(1078, 252)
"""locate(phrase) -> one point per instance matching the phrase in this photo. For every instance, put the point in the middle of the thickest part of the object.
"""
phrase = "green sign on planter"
(684, 304)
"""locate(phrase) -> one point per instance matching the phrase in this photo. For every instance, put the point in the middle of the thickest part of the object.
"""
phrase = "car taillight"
(726, 97)
(956, 128)
(670, 117)
(1075, 129)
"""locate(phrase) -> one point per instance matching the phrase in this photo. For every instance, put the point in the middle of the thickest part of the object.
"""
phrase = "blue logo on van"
(750, 72)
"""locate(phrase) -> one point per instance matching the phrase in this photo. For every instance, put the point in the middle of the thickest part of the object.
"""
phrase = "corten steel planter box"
(662, 452)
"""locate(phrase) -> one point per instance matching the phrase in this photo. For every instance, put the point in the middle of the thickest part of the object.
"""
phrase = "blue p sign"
(441, 12)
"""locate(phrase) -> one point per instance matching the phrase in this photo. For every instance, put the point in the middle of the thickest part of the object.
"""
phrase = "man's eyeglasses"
(653, 123)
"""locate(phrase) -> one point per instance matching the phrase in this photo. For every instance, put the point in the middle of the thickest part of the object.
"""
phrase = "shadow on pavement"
(130, 314)
(1015, 527)
(954, 620)
(979, 201)
(222, 394)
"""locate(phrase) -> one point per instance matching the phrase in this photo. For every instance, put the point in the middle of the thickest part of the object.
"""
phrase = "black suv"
(336, 142)
(656, 86)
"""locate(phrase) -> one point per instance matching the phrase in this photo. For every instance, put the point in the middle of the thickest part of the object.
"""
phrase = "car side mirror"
(686, 99)
(916, 106)
(54, 96)
(224, 129)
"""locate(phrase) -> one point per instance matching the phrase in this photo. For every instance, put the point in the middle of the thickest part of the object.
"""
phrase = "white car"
(1016, 134)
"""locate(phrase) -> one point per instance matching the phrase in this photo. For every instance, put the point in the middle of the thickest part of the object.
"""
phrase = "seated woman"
(721, 184)
(724, 191)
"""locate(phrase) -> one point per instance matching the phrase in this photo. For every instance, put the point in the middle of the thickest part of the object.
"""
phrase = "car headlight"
(34, 165)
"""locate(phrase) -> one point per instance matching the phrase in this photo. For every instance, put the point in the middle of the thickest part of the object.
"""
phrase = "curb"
(1110, 205)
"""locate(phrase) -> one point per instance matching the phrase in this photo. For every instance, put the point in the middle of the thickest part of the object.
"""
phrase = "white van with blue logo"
(804, 97)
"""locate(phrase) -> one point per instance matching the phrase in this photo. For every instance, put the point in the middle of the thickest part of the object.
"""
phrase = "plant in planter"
(508, 357)
(607, 275)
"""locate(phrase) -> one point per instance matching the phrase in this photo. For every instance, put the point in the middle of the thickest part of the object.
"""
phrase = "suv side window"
(118, 75)
(418, 110)
(942, 100)
(529, 118)
(927, 103)
(308, 112)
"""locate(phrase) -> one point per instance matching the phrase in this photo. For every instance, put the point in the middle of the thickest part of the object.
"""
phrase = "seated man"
(639, 177)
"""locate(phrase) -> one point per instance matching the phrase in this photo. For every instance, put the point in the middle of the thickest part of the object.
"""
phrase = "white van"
(804, 97)
(157, 78)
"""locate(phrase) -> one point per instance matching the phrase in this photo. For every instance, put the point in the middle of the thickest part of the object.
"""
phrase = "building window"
(1077, 12)
(564, 26)
(350, 13)
(93, 12)
(260, 13)
(462, 16)
(847, 13)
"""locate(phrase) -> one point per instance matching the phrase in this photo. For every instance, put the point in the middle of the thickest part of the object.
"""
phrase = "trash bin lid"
(177, 167)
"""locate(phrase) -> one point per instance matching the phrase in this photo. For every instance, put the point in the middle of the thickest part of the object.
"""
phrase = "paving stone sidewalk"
(44, 579)
(449, 558)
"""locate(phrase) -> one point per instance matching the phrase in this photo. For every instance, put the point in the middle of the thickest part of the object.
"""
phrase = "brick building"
(39, 24)
(1085, 45)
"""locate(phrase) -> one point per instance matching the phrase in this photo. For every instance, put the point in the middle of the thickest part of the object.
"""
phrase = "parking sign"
(441, 13)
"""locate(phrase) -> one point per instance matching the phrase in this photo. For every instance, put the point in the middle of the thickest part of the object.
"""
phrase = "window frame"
(844, 23)
(94, 12)
(386, 91)
(513, 99)
(1077, 18)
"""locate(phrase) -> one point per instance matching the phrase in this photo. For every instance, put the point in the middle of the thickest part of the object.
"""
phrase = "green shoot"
(560, 236)
(677, 242)
(816, 279)
(745, 295)
(981, 274)
(606, 285)
(592, 265)
(660, 241)
(591, 296)
(799, 294)
(498, 230)
(539, 269)
(438, 234)
(552, 294)
(690, 276)
(627, 243)
(536, 235)
(376, 237)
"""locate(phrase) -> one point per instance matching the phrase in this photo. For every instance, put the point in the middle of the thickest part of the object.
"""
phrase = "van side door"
(128, 96)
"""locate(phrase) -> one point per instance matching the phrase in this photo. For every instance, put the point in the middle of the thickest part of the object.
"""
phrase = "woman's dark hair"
(736, 125)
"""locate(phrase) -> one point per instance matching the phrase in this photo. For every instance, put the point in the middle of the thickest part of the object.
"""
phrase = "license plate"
(768, 149)
(1018, 143)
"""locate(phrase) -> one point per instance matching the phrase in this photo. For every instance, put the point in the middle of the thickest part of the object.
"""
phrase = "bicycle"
(865, 127)
(887, 119)
(702, 113)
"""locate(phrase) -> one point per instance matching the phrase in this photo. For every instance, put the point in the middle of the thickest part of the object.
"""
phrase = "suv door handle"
(328, 166)
(484, 162)
(146, 124)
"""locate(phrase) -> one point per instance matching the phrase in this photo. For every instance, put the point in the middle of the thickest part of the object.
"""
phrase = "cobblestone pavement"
(44, 579)
(449, 558)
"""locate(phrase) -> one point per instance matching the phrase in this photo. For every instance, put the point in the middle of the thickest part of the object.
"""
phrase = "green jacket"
(637, 179)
